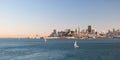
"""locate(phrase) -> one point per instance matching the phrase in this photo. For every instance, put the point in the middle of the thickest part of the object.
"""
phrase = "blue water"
(59, 49)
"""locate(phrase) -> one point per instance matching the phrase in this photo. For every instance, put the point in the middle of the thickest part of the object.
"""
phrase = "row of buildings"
(77, 33)
(85, 33)
(113, 34)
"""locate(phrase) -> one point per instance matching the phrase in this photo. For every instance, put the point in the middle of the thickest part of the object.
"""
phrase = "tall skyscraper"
(89, 29)
(78, 30)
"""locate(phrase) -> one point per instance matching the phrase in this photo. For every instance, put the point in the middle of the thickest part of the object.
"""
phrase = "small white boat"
(75, 44)
(45, 40)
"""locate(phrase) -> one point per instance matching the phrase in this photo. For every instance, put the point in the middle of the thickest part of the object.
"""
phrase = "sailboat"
(75, 44)
(45, 40)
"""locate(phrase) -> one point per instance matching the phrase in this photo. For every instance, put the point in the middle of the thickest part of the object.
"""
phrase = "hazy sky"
(28, 17)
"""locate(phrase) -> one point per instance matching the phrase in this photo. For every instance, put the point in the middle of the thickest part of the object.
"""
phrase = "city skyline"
(30, 17)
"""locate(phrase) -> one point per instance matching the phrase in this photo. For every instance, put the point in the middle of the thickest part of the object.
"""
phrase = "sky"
(30, 17)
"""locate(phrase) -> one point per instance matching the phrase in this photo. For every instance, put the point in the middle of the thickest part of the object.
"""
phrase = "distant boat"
(75, 44)
(94, 37)
(45, 40)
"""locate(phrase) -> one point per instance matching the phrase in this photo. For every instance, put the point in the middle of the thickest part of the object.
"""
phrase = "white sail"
(45, 40)
(75, 45)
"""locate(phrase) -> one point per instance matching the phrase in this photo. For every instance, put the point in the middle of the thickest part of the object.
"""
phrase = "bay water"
(59, 49)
